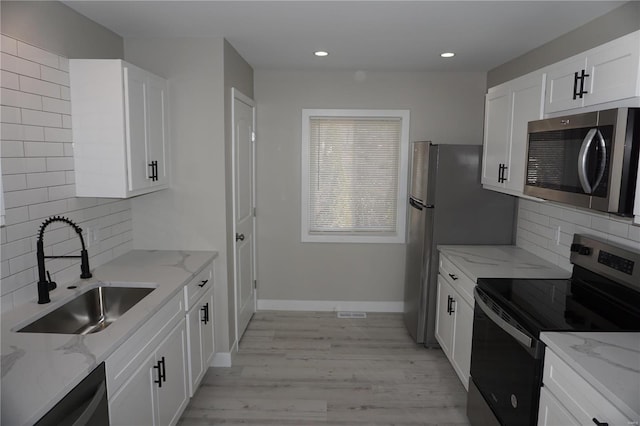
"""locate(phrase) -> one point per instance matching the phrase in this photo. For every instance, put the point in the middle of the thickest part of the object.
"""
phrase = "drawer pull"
(203, 283)
(453, 277)
(600, 423)
(205, 313)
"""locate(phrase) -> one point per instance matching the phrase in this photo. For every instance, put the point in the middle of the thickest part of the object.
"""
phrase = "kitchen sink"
(89, 312)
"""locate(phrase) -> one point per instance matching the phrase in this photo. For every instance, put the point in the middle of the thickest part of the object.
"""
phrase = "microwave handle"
(582, 160)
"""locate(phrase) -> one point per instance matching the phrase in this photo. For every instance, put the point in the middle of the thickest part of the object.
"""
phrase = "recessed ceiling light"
(448, 55)
(321, 53)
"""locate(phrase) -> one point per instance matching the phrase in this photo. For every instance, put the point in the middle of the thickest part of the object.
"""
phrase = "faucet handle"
(52, 284)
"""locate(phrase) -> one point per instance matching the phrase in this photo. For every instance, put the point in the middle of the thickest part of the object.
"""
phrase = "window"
(354, 175)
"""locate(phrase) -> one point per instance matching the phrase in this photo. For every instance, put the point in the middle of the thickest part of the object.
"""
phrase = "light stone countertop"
(40, 369)
(610, 362)
(500, 261)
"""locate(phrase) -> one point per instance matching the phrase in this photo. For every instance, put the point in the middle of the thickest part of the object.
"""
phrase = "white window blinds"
(354, 169)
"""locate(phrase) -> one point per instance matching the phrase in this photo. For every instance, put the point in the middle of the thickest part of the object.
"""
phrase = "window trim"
(397, 237)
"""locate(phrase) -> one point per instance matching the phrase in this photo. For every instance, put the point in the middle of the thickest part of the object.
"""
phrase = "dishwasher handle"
(88, 413)
(509, 325)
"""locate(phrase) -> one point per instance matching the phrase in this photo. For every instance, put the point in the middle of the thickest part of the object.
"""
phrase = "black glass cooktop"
(586, 302)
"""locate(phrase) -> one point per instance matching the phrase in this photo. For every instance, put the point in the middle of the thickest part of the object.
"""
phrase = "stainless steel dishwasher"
(86, 404)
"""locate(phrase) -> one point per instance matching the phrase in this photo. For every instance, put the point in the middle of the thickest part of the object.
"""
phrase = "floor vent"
(346, 314)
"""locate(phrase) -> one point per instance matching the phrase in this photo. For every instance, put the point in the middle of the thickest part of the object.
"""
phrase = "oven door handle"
(508, 328)
(582, 160)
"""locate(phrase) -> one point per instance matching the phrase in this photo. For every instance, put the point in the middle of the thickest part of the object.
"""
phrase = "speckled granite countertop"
(39, 369)
(500, 262)
(610, 362)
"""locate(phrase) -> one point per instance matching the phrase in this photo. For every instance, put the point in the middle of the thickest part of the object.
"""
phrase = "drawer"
(457, 279)
(198, 286)
(577, 395)
(126, 359)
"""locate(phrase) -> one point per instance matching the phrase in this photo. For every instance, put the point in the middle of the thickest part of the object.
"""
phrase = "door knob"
(239, 237)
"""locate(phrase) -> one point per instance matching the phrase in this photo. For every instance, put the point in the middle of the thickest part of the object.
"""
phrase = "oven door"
(506, 365)
(569, 159)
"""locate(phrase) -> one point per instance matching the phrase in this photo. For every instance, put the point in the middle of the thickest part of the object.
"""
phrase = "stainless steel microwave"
(587, 160)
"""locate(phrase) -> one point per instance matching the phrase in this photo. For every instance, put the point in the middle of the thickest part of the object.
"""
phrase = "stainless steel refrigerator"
(447, 205)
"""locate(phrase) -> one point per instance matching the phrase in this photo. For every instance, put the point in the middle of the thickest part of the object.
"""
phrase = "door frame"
(236, 95)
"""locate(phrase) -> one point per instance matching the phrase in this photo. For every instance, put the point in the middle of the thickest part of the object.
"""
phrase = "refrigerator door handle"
(415, 203)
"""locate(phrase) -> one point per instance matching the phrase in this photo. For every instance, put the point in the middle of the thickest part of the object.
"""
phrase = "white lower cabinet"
(156, 393)
(568, 399)
(454, 318)
(200, 339)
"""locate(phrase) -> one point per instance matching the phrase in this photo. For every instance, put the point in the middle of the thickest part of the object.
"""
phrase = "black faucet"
(45, 285)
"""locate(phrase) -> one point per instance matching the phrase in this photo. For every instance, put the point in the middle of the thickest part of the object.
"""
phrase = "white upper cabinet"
(607, 73)
(508, 110)
(120, 129)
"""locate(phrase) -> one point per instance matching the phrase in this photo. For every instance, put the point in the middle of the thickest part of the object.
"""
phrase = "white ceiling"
(359, 35)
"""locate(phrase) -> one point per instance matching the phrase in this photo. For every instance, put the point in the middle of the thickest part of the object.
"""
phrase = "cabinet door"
(496, 135)
(136, 128)
(552, 413)
(526, 105)
(207, 337)
(462, 331)
(613, 71)
(444, 319)
(560, 85)
(134, 403)
(173, 395)
(157, 130)
(194, 345)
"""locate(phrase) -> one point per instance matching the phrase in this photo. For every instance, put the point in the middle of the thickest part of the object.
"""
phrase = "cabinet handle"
(155, 170)
(202, 283)
(575, 85)
(164, 370)
(159, 380)
(453, 277)
(205, 313)
(152, 170)
(579, 93)
(600, 423)
(240, 237)
(449, 304)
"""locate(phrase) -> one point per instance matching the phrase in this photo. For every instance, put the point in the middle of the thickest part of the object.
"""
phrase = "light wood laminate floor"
(311, 368)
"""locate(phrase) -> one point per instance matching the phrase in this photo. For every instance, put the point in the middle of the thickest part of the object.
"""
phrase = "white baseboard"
(328, 305)
(221, 359)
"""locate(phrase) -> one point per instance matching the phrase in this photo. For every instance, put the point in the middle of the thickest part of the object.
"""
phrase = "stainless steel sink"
(90, 312)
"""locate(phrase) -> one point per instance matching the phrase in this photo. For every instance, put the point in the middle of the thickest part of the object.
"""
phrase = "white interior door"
(243, 209)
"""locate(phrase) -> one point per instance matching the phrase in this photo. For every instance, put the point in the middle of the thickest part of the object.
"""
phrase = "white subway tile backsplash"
(9, 80)
(65, 93)
(38, 55)
(14, 182)
(41, 118)
(535, 236)
(43, 180)
(8, 45)
(11, 149)
(38, 177)
(54, 76)
(10, 115)
(19, 99)
(19, 65)
(57, 135)
(22, 165)
(56, 105)
(62, 192)
(39, 87)
(25, 198)
(43, 149)
(44, 210)
(59, 164)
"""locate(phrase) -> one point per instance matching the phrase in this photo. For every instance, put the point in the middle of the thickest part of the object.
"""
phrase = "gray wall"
(239, 74)
(445, 108)
(618, 22)
(57, 28)
(191, 214)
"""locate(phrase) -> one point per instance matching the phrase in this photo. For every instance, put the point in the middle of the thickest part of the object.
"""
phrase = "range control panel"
(616, 262)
